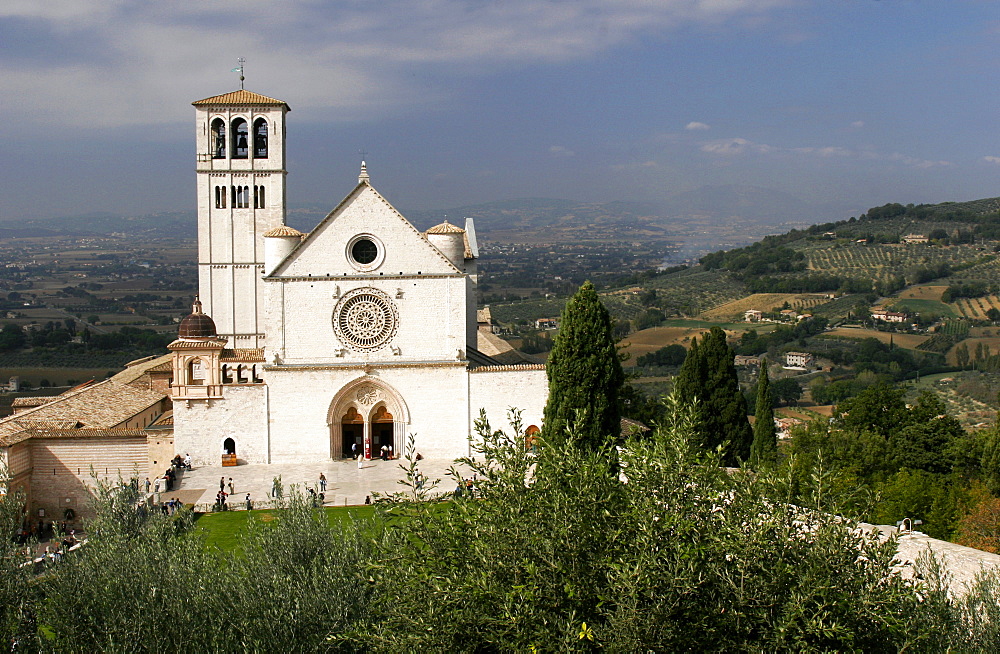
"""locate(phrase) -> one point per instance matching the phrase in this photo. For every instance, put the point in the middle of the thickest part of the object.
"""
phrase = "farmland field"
(922, 293)
(763, 302)
(976, 307)
(991, 345)
(925, 307)
(907, 341)
(654, 338)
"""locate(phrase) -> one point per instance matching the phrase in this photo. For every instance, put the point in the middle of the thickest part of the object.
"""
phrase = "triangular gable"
(364, 211)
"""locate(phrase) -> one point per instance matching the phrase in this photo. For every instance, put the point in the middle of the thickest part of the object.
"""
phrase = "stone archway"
(381, 408)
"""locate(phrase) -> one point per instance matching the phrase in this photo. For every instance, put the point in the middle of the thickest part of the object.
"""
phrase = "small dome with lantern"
(197, 325)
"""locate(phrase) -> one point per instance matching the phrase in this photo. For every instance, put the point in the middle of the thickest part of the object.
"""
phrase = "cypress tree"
(765, 439)
(709, 375)
(585, 373)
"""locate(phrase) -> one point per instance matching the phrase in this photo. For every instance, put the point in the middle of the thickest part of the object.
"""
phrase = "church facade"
(352, 337)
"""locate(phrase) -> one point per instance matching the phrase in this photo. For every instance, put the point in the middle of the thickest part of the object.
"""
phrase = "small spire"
(196, 307)
(363, 177)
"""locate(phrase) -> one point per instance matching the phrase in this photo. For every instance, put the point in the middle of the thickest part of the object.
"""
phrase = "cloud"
(735, 146)
(561, 151)
(695, 125)
(352, 55)
(858, 124)
(993, 160)
(738, 146)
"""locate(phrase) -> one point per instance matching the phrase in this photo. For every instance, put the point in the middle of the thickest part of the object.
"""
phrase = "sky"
(852, 103)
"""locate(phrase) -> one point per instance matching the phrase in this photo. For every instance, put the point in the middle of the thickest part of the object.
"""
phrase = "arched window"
(196, 372)
(260, 139)
(218, 144)
(258, 197)
(220, 197)
(240, 140)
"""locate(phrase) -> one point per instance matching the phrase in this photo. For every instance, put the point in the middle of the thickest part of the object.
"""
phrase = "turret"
(278, 244)
(450, 240)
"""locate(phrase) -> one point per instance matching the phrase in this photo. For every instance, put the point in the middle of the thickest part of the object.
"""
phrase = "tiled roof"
(140, 367)
(242, 97)
(526, 366)
(446, 228)
(484, 315)
(283, 230)
(242, 355)
(101, 406)
(42, 432)
(165, 420)
(184, 344)
(31, 401)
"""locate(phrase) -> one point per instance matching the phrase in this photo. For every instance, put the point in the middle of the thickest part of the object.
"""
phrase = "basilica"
(352, 337)
(311, 347)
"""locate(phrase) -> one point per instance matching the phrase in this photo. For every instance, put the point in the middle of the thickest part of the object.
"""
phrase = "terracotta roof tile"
(283, 230)
(242, 355)
(101, 406)
(242, 97)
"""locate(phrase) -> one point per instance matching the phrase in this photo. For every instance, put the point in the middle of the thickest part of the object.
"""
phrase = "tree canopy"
(585, 373)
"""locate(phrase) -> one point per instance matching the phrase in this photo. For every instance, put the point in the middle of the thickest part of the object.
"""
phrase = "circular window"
(365, 252)
(365, 319)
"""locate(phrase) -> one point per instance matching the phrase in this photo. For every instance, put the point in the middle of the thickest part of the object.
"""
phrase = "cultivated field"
(906, 341)
(991, 345)
(976, 307)
(922, 293)
(654, 338)
(762, 302)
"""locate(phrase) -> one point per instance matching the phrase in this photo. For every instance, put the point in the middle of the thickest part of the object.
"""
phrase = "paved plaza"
(346, 483)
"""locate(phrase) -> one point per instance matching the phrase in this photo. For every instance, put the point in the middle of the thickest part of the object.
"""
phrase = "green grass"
(224, 530)
(925, 307)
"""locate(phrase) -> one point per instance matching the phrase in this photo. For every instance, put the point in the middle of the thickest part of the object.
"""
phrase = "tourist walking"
(322, 483)
(361, 460)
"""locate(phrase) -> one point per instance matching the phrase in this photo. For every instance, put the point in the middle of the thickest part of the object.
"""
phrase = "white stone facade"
(365, 330)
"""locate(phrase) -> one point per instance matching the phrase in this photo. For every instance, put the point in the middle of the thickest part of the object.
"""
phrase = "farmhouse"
(888, 316)
(752, 315)
(915, 238)
(798, 359)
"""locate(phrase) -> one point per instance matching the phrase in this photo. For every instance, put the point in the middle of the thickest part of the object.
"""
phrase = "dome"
(445, 228)
(282, 231)
(197, 325)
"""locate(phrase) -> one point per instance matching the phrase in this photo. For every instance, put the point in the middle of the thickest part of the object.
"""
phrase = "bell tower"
(241, 171)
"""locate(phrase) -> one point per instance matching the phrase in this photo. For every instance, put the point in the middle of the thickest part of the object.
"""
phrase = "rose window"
(365, 319)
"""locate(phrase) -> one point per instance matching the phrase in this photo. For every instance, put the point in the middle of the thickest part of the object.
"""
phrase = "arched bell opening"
(260, 139)
(241, 142)
(218, 139)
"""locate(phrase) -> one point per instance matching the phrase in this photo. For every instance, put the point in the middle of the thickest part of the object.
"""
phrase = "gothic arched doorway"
(229, 446)
(378, 416)
(352, 429)
(382, 431)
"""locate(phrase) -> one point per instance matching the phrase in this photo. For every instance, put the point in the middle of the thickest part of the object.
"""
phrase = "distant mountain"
(743, 213)
(178, 224)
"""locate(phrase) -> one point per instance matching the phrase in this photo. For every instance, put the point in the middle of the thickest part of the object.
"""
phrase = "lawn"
(925, 307)
(223, 530)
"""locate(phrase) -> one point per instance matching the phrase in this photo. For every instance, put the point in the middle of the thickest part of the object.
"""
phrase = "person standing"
(147, 485)
(222, 484)
(249, 503)
(361, 460)
(390, 451)
(232, 490)
(322, 483)
(354, 449)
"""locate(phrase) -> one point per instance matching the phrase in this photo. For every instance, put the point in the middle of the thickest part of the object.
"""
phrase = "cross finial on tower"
(239, 69)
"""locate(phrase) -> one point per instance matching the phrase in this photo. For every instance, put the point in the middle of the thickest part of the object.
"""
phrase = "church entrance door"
(352, 429)
(382, 432)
